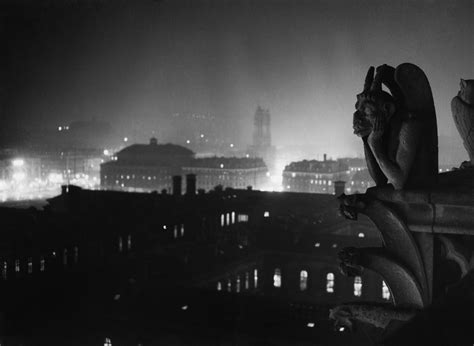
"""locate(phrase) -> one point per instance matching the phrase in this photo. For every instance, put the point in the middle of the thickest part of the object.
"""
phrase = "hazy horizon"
(135, 63)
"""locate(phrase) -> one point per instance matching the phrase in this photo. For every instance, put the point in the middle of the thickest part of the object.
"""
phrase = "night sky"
(134, 63)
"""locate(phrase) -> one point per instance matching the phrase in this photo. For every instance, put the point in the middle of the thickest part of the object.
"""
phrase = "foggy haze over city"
(135, 64)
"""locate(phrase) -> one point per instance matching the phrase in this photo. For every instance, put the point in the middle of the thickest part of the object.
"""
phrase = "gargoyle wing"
(418, 102)
(418, 98)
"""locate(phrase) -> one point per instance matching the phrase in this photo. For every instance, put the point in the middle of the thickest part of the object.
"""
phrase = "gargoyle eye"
(368, 110)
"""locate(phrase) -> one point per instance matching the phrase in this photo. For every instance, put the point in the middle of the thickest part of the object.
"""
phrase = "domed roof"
(155, 150)
(154, 154)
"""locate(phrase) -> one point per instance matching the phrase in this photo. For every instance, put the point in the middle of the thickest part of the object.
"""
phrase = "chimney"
(64, 189)
(325, 157)
(176, 185)
(339, 187)
(190, 184)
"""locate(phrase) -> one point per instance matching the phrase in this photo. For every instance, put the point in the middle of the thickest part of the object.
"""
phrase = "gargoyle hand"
(379, 124)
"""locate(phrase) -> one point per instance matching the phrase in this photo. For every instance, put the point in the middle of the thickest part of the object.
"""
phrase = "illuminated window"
(385, 291)
(317, 244)
(227, 217)
(330, 283)
(219, 286)
(361, 235)
(129, 241)
(120, 244)
(247, 279)
(222, 220)
(175, 231)
(65, 257)
(237, 284)
(4, 270)
(329, 182)
(182, 230)
(242, 218)
(42, 264)
(255, 278)
(303, 280)
(17, 265)
(30, 265)
(229, 285)
(232, 217)
(76, 254)
(334, 245)
(266, 214)
(277, 278)
(357, 286)
(107, 342)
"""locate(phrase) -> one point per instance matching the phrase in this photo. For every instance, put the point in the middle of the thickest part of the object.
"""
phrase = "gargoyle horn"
(377, 83)
(369, 79)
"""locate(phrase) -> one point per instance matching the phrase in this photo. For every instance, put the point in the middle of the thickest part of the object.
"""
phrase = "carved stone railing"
(410, 222)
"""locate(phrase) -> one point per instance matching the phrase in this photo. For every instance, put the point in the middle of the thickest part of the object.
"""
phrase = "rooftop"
(228, 162)
(315, 166)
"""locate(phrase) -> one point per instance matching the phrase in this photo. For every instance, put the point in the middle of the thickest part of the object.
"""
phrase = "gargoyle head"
(342, 316)
(349, 262)
(350, 205)
(373, 102)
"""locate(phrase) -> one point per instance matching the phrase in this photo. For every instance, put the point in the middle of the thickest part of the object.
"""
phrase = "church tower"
(262, 138)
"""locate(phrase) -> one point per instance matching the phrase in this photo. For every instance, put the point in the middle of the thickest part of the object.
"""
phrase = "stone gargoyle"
(398, 128)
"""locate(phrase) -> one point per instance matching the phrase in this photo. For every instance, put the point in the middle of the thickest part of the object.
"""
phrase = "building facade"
(314, 176)
(145, 167)
(151, 167)
(238, 173)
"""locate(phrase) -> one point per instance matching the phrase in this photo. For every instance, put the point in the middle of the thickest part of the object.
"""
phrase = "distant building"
(314, 176)
(18, 168)
(262, 138)
(70, 163)
(355, 164)
(145, 166)
(229, 172)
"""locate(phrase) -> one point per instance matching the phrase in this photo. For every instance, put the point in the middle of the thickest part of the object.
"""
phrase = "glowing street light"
(18, 163)
(125, 139)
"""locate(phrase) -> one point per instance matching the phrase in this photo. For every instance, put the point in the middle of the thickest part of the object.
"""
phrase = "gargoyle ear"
(463, 83)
